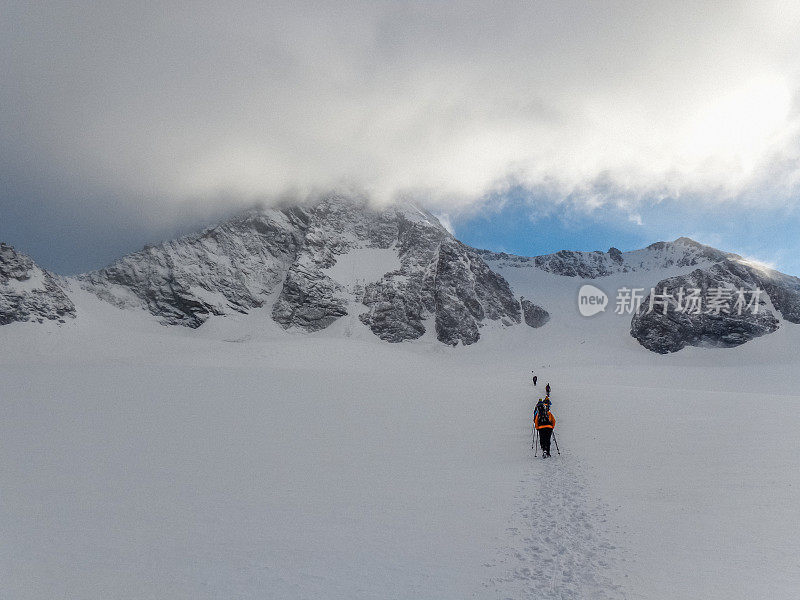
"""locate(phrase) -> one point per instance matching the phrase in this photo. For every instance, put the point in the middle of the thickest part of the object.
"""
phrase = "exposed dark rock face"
(281, 256)
(726, 327)
(309, 299)
(441, 278)
(466, 291)
(403, 300)
(396, 311)
(616, 255)
(535, 316)
(29, 293)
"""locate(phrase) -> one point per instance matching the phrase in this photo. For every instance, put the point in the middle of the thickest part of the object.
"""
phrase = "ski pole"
(533, 436)
(556, 441)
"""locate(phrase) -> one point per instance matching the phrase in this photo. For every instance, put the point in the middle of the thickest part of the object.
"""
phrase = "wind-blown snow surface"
(239, 460)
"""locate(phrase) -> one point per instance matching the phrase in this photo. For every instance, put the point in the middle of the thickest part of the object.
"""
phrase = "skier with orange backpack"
(544, 422)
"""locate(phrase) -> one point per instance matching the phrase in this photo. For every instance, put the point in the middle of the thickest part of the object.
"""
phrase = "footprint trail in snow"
(558, 543)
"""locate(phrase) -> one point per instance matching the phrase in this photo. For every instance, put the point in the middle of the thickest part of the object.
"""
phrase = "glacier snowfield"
(239, 460)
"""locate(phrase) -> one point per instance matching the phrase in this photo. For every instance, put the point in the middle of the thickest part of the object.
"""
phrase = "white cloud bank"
(448, 101)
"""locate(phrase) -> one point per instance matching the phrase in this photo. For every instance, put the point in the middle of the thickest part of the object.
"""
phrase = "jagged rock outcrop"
(739, 314)
(465, 292)
(440, 278)
(309, 299)
(29, 293)
(535, 316)
(283, 255)
(397, 308)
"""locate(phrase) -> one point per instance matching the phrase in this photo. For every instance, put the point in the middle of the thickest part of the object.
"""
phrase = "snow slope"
(700, 488)
(240, 460)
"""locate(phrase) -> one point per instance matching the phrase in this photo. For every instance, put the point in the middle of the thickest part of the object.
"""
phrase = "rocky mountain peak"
(29, 293)
(284, 257)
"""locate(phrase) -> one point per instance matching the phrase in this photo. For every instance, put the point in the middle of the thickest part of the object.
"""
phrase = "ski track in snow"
(557, 543)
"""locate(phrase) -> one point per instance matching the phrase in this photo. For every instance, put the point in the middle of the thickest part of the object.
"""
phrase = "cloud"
(446, 222)
(759, 264)
(451, 103)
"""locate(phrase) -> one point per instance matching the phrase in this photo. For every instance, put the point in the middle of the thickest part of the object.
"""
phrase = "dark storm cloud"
(119, 120)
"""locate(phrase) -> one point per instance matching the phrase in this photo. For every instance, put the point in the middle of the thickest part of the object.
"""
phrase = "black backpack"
(542, 414)
(543, 418)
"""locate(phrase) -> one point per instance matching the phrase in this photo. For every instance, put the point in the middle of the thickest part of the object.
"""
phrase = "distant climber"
(547, 389)
(544, 421)
(535, 378)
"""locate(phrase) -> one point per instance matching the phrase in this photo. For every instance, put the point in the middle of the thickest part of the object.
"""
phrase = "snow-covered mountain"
(672, 269)
(731, 280)
(29, 293)
(405, 270)
(400, 273)
(683, 252)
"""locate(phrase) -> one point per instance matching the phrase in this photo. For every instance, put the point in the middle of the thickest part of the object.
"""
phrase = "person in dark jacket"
(544, 421)
(534, 379)
(547, 389)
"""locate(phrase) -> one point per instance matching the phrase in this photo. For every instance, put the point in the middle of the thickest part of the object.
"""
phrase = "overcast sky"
(124, 123)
